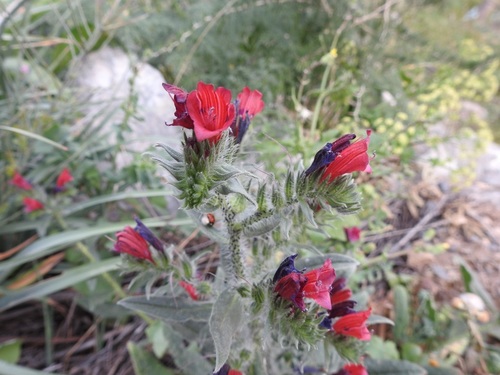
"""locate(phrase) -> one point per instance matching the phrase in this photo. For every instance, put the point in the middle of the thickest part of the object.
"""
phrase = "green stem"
(107, 277)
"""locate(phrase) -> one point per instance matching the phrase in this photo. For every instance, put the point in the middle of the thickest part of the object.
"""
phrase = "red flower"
(190, 289)
(318, 285)
(31, 204)
(352, 234)
(353, 158)
(250, 102)
(20, 182)
(353, 325)
(290, 287)
(226, 370)
(352, 369)
(355, 369)
(63, 178)
(181, 114)
(130, 242)
(211, 111)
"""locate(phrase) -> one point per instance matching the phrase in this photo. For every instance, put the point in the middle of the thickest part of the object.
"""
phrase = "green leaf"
(401, 310)
(388, 367)
(379, 319)
(342, 264)
(35, 136)
(380, 349)
(114, 197)
(226, 317)
(10, 369)
(145, 363)
(157, 339)
(54, 284)
(169, 309)
(10, 351)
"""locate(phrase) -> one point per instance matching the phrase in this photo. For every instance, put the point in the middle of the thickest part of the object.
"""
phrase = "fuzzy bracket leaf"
(227, 315)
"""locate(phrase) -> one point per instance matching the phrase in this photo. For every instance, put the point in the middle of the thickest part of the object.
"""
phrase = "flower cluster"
(135, 242)
(209, 111)
(32, 204)
(330, 293)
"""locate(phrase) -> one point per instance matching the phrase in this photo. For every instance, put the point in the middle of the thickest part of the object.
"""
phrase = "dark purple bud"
(338, 285)
(307, 370)
(326, 323)
(342, 308)
(146, 233)
(285, 268)
(224, 370)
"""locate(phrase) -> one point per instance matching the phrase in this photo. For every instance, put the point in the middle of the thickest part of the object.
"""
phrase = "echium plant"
(254, 316)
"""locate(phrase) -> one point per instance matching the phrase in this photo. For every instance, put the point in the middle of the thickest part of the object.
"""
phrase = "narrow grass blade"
(38, 137)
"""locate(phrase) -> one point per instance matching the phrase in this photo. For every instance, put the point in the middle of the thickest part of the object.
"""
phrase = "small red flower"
(352, 369)
(355, 369)
(211, 111)
(250, 102)
(226, 370)
(234, 372)
(353, 158)
(181, 114)
(289, 287)
(190, 289)
(64, 177)
(130, 242)
(353, 234)
(354, 325)
(20, 182)
(31, 204)
(318, 285)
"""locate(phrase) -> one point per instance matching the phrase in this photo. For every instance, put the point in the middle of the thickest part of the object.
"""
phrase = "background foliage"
(325, 68)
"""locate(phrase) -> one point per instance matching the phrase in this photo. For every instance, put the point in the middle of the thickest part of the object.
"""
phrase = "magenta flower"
(20, 182)
(211, 111)
(31, 204)
(353, 234)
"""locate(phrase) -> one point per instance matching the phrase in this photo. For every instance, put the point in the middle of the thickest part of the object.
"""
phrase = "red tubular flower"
(211, 111)
(31, 204)
(130, 242)
(353, 234)
(353, 158)
(64, 177)
(355, 369)
(354, 325)
(179, 97)
(290, 287)
(190, 289)
(352, 369)
(249, 103)
(318, 285)
(226, 370)
(20, 182)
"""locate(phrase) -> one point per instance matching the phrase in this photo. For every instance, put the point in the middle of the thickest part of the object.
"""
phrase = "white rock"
(104, 78)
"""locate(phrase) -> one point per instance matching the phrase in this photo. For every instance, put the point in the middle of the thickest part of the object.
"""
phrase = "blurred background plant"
(422, 74)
